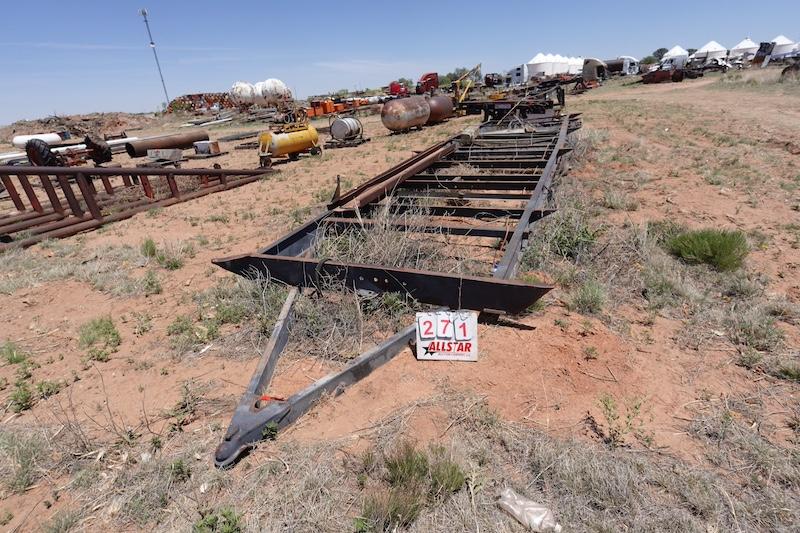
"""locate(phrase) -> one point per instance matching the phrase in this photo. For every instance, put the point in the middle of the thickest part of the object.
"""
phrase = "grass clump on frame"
(723, 250)
(252, 302)
(337, 324)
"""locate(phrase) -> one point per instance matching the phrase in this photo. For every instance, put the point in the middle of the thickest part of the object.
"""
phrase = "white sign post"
(447, 336)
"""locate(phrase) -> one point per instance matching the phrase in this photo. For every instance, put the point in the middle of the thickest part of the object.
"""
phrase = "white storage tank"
(242, 93)
(272, 91)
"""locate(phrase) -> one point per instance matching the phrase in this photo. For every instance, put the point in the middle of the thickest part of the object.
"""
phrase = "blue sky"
(93, 56)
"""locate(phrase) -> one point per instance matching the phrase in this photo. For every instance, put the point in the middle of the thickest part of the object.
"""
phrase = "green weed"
(722, 249)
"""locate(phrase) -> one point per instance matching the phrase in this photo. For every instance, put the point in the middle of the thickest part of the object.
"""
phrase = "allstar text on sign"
(447, 336)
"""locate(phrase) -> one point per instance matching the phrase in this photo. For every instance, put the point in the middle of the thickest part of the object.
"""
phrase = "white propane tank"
(273, 91)
(242, 93)
(346, 128)
(258, 93)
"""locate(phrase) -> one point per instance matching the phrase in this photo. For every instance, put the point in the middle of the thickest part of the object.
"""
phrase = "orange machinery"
(318, 108)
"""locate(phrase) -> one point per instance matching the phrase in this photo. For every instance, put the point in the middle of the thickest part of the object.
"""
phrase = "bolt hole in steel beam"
(287, 260)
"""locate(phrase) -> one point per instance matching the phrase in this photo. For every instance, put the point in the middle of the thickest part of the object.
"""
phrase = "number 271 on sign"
(447, 335)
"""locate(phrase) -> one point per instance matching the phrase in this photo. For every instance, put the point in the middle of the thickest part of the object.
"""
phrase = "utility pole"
(143, 13)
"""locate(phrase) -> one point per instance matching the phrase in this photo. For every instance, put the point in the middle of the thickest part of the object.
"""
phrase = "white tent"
(710, 50)
(538, 65)
(542, 65)
(783, 46)
(746, 48)
(560, 64)
(575, 65)
(538, 58)
(675, 57)
(549, 64)
(675, 51)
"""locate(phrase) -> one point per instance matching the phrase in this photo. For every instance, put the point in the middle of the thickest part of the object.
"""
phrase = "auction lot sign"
(447, 336)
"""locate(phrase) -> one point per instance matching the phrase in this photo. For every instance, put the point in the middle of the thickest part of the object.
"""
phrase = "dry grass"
(324, 487)
(107, 269)
(460, 169)
(24, 458)
(170, 255)
(382, 244)
(760, 80)
(250, 303)
(693, 276)
(337, 325)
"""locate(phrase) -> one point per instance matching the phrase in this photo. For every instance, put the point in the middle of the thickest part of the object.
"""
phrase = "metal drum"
(346, 128)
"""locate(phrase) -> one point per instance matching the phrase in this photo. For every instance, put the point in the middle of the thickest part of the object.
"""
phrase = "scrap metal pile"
(525, 101)
(56, 202)
(201, 102)
(487, 185)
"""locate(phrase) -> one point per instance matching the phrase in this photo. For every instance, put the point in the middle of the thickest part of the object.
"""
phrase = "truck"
(428, 83)
(397, 89)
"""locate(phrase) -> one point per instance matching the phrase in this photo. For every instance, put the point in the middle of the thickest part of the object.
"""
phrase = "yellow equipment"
(291, 140)
(460, 90)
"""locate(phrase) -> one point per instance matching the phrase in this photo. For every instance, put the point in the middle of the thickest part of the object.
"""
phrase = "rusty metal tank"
(441, 108)
(405, 113)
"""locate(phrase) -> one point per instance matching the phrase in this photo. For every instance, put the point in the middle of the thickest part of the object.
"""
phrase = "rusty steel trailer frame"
(76, 205)
(538, 156)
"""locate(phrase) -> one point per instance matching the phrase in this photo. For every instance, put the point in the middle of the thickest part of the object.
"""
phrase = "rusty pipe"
(388, 186)
(179, 140)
